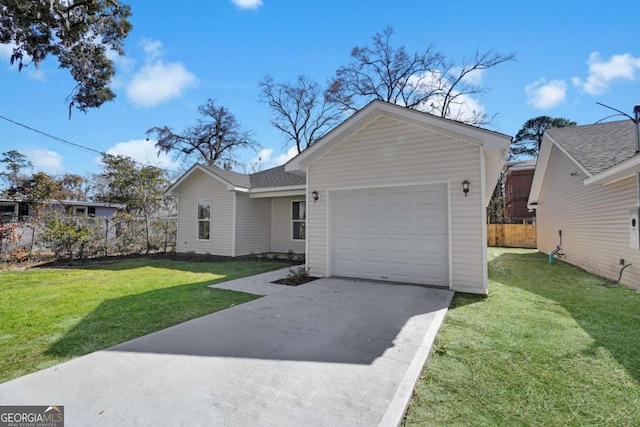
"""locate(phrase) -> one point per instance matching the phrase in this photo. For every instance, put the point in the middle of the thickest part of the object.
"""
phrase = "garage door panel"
(432, 245)
(372, 245)
(395, 234)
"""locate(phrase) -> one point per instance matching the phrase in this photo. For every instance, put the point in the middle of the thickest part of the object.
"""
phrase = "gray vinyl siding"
(391, 153)
(253, 225)
(282, 226)
(594, 220)
(201, 186)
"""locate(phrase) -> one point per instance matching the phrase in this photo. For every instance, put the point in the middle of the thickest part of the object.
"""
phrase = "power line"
(73, 144)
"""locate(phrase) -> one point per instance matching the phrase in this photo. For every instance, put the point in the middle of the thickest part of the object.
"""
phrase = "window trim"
(293, 221)
(199, 220)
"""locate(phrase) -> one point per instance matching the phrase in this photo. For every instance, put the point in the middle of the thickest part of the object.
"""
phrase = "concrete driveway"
(332, 352)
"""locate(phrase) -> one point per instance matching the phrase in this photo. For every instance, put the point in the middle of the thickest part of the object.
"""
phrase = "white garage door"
(398, 234)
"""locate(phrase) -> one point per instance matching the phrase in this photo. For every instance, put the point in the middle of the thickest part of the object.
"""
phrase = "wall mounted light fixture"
(465, 187)
(315, 196)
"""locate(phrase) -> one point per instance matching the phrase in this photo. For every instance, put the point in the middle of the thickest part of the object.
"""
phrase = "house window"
(204, 219)
(299, 216)
(91, 211)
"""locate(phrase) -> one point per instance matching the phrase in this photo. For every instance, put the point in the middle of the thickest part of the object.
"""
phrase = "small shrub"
(296, 276)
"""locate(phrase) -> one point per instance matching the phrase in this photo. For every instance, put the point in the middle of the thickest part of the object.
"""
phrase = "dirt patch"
(289, 282)
(188, 257)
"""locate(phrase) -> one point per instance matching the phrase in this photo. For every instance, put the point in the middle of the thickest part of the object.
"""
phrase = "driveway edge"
(394, 414)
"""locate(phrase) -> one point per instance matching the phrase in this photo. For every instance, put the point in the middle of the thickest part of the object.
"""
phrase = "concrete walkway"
(332, 352)
(260, 284)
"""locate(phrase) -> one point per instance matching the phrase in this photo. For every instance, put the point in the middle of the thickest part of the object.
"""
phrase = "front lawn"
(551, 346)
(51, 315)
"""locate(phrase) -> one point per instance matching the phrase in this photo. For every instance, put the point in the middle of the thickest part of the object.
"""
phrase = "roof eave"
(230, 186)
(619, 172)
(291, 190)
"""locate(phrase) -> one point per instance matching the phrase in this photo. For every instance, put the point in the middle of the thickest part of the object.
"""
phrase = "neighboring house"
(17, 209)
(379, 197)
(586, 186)
(517, 186)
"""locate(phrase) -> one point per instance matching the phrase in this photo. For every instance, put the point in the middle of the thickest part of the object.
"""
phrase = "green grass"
(48, 316)
(550, 346)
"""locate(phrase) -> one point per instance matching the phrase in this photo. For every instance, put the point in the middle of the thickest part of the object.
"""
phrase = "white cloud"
(153, 48)
(263, 159)
(463, 108)
(158, 83)
(247, 4)
(44, 160)
(544, 95)
(473, 77)
(285, 157)
(6, 50)
(36, 74)
(260, 160)
(33, 73)
(122, 62)
(602, 73)
(142, 151)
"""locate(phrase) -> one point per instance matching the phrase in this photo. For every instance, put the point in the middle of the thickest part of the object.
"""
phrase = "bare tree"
(300, 111)
(425, 80)
(214, 139)
(458, 84)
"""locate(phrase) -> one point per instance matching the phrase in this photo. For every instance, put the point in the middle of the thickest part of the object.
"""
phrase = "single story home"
(15, 209)
(391, 194)
(585, 193)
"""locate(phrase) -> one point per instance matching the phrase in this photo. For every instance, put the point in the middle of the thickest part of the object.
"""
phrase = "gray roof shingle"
(600, 146)
(274, 177)
(235, 178)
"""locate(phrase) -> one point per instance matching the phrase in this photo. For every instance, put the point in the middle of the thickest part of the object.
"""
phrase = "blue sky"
(569, 54)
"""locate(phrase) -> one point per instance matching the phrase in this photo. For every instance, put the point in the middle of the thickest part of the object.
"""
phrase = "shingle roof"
(269, 178)
(275, 177)
(235, 178)
(597, 147)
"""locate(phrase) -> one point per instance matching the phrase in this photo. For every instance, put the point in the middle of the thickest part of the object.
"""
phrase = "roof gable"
(597, 147)
(376, 109)
(605, 152)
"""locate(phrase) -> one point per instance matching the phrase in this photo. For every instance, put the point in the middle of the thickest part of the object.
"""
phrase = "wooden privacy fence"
(512, 235)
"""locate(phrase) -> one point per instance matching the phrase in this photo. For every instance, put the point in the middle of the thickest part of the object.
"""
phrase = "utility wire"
(73, 144)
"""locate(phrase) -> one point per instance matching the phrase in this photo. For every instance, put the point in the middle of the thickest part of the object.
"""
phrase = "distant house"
(517, 186)
(18, 209)
(585, 193)
(390, 194)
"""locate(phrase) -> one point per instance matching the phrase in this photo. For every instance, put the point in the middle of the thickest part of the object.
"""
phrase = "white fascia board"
(297, 190)
(492, 164)
(624, 170)
(237, 189)
(541, 168)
